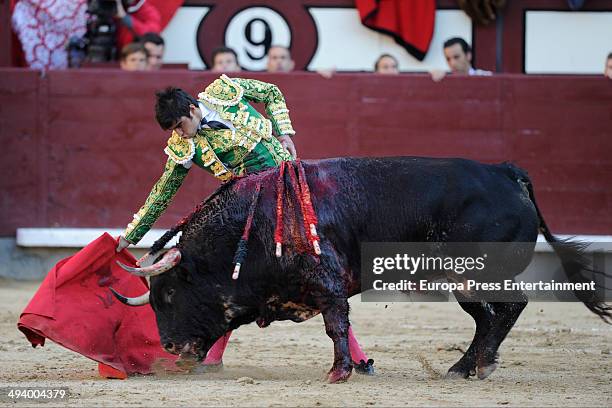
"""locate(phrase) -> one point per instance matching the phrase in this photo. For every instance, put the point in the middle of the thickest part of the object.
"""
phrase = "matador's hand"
(288, 145)
(123, 243)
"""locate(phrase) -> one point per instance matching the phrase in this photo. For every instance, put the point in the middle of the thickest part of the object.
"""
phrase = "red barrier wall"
(82, 149)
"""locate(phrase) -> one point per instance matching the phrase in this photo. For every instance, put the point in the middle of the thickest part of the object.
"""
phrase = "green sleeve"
(271, 96)
(158, 200)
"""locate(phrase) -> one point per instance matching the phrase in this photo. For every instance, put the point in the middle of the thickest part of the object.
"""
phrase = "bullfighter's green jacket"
(225, 153)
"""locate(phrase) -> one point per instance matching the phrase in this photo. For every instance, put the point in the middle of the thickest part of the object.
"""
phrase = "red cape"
(75, 308)
(410, 23)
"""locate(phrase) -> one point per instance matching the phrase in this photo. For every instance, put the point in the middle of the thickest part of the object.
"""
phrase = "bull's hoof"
(457, 375)
(486, 364)
(365, 368)
(484, 371)
(460, 370)
(338, 375)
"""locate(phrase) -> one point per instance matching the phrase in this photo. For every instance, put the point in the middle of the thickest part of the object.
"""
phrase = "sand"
(558, 354)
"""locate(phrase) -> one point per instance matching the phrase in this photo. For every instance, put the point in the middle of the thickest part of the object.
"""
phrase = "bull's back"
(416, 199)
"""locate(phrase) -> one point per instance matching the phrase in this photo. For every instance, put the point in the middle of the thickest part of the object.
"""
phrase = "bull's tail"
(575, 263)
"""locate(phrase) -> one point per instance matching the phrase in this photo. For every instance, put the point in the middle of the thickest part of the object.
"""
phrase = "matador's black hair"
(172, 103)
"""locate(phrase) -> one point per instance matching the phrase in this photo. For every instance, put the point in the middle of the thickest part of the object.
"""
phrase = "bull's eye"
(169, 295)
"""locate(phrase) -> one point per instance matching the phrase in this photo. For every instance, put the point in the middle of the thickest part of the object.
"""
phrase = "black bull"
(405, 199)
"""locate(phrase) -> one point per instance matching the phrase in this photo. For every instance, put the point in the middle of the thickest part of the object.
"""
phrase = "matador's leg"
(215, 354)
(363, 365)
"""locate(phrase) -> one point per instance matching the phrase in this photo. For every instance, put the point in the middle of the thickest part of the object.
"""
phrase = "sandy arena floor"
(557, 355)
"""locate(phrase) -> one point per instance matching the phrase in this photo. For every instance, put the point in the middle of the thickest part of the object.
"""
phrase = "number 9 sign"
(251, 31)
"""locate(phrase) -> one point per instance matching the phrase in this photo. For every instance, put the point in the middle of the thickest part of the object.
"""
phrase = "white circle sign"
(252, 31)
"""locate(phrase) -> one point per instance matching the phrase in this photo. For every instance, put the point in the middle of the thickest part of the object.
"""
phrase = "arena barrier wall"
(82, 149)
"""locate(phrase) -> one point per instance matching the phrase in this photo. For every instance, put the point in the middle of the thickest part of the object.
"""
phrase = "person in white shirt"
(458, 54)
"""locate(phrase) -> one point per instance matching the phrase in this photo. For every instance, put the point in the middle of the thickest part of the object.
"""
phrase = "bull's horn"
(134, 301)
(168, 261)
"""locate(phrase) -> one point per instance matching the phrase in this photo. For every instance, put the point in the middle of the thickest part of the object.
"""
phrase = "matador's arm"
(158, 200)
(271, 96)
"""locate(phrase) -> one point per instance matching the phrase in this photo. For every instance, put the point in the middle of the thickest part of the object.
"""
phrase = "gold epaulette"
(222, 91)
(180, 150)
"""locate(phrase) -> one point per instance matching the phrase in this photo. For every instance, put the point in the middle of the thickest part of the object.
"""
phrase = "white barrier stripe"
(79, 237)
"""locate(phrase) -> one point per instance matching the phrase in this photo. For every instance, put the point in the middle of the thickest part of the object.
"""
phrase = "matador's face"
(187, 126)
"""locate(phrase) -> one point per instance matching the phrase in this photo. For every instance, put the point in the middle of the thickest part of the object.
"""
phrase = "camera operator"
(134, 18)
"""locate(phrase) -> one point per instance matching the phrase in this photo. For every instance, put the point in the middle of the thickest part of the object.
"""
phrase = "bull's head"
(189, 310)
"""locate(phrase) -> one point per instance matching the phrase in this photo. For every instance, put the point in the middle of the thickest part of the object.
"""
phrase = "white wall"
(347, 44)
(180, 37)
(555, 41)
(567, 42)
(343, 42)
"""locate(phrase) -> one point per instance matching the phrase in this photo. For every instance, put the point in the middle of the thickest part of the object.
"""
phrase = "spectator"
(458, 56)
(279, 59)
(225, 59)
(155, 49)
(608, 70)
(386, 64)
(134, 18)
(133, 57)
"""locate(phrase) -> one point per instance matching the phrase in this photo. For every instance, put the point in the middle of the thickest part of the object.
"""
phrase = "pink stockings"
(215, 355)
